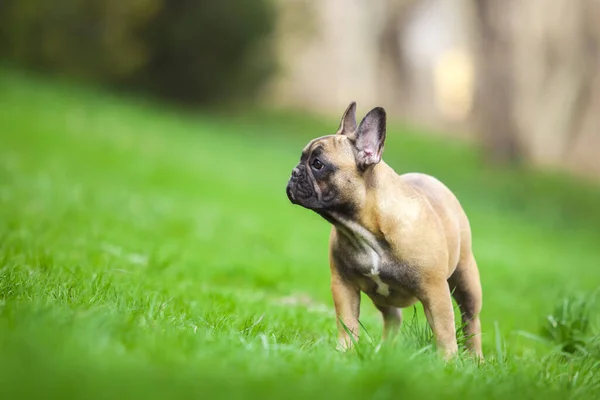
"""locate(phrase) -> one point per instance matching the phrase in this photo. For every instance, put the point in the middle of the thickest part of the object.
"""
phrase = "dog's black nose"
(295, 172)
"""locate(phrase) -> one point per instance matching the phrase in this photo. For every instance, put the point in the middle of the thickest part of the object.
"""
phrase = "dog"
(400, 239)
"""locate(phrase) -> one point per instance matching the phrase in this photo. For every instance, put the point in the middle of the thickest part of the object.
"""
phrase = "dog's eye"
(317, 164)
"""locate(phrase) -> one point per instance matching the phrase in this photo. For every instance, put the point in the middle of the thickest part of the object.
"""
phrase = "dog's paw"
(344, 347)
(341, 348)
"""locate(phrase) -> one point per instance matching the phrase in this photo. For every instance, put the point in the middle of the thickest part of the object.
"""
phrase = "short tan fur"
(397, 238)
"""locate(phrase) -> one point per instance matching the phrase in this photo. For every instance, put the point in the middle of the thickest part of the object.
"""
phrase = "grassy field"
(147, 252)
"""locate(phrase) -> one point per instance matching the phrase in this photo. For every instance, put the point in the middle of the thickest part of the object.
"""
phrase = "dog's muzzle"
(291, 186)
(290, 193)
(299, 189)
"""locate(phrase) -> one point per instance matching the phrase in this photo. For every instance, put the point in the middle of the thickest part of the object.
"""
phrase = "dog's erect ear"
(370, 138)
(348, 122)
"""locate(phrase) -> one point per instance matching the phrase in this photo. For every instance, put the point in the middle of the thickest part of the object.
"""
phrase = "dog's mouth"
(290, 194)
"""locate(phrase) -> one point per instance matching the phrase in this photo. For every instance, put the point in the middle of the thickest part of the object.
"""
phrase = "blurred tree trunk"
(495, 80)
(538, 86)
(557, 70)
(395, 77)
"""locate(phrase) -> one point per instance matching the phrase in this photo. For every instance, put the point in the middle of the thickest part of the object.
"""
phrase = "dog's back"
(449, 211)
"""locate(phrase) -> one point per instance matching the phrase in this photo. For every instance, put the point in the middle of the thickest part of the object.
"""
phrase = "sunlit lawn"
(146, 253)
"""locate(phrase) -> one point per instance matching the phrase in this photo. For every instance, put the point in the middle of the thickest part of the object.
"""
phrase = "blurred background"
(520, 78)
(145, 146)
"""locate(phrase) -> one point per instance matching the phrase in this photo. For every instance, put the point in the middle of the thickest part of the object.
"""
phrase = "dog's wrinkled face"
(331, 171)
(326, 175)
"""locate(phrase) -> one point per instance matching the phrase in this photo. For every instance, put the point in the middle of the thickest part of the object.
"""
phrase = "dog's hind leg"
(392, 319)
(466, 288)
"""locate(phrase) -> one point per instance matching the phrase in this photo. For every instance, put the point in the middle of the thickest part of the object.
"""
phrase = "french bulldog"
(400, 239)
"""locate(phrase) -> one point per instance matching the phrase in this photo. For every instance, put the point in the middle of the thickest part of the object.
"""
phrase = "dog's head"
(330, 176)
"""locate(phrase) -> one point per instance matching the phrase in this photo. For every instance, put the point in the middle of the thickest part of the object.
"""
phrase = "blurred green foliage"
(192, 51)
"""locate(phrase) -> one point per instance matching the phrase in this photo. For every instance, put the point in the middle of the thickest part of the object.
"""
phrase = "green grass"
(147, 252)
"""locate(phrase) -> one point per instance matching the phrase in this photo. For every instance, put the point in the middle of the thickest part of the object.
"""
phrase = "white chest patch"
(365, 240)
(382, 288)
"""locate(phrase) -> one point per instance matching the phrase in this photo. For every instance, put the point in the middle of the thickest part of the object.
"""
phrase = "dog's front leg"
(437, 304)
(346, 300)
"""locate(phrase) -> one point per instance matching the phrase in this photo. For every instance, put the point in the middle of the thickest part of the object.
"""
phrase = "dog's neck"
(363, 223)
(378, 177)
(359, 235)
